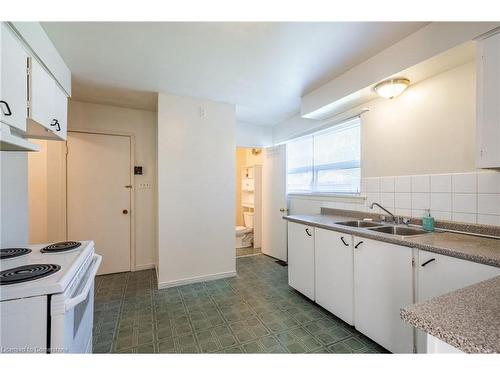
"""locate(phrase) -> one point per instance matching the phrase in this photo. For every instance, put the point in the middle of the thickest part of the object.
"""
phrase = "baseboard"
(143, 267)
(197, 279)
(249, 255)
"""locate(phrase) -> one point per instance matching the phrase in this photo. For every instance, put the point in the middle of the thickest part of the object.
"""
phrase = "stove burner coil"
(13, 252)
(60, 247)
(28, 272)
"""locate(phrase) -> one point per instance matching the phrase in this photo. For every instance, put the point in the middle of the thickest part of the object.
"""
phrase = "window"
(327, 161)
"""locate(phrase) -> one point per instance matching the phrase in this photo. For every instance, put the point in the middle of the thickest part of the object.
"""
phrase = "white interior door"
(274, 204)
(98, 197)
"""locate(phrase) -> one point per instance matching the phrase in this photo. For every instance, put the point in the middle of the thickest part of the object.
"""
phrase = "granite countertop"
(468, 318)
(477, 249)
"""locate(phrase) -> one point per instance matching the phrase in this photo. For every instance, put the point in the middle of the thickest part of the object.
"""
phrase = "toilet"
(244, 235)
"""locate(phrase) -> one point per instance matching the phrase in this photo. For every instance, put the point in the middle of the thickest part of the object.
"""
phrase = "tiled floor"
(246, 251)
(255, 312)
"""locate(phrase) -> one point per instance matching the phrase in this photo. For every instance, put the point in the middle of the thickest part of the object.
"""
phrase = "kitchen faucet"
(395, 219)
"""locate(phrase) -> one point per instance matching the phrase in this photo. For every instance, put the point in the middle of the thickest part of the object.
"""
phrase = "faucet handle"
(406, 220)
(383, 219)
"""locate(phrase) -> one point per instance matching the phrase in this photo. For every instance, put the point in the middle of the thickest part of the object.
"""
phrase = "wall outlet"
(145, 185)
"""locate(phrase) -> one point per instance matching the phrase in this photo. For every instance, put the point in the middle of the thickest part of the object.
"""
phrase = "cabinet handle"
(56, 123)
(345, 243)
(9, 112)
(426, 263)
(359, 243)
(307, 231)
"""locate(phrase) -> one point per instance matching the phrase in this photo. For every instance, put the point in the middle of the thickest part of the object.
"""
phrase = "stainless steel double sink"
(395, 230)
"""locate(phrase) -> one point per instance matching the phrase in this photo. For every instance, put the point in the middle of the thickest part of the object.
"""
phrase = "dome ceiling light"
(392, 87)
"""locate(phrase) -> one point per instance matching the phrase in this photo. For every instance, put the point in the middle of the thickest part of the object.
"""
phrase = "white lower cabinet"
(334, 273)
(367, 282)
(383, 284)
(440, 274)
(301, 258)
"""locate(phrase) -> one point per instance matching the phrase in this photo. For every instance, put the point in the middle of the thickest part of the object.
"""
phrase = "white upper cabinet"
(13, 80)
(47, 105)
(301, 258)
(33, 104)
(60, 112)
(334, 273)
(41, 87)
(383, 284)
(488, 102)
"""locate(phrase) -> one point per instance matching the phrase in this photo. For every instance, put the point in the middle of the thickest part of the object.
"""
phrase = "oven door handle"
(72, 302)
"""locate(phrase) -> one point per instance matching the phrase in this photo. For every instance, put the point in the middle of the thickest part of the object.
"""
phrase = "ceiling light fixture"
(392, 87)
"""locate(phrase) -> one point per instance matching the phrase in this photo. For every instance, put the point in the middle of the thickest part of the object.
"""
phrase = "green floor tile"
(254, 312)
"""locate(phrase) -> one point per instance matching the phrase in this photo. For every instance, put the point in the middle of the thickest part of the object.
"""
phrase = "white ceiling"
(262, 68)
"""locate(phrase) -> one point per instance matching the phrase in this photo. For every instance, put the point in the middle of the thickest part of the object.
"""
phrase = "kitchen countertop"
(468, 318)
(477, 249)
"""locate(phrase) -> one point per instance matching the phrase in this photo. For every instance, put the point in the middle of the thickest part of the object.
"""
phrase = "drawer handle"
(359, 243)
(345, 243)
(307, 231)
(56, 124)
(9, 112)
(426, 263)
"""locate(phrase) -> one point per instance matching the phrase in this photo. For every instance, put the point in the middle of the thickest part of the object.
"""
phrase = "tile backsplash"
(465, 197)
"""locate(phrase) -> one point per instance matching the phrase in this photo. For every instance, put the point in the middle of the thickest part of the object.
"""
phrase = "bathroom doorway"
(248, 231)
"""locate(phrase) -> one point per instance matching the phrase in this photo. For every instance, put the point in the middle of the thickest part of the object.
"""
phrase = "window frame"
(314, 169)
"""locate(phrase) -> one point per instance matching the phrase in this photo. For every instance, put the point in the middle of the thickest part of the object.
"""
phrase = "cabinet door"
(60, 112)
(13, 110)
(42, 88)
(383, 284)
(440, 274)
(301, 258)
(334, 273)
(488, 102)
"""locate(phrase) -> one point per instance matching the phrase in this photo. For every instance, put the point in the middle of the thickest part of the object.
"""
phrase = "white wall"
(47, 192)
(196, 192)
(14, 199)
(428, 129)
(250, 135)
(37, 193)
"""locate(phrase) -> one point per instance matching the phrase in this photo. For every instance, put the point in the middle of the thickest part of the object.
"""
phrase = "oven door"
(72, 316)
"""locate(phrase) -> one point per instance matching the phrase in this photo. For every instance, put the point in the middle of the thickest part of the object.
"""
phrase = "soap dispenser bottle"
(428, 222)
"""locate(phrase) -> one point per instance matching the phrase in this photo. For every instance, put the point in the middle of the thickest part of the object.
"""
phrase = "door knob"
(125, 212)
